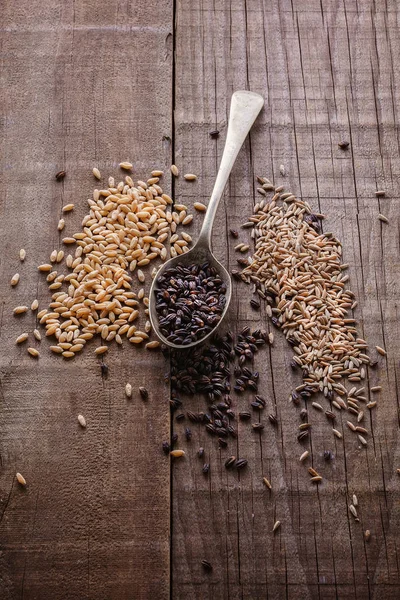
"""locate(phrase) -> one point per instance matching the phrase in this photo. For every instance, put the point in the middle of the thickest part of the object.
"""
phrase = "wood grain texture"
(92, 83)
(85, 84)
(328, 72)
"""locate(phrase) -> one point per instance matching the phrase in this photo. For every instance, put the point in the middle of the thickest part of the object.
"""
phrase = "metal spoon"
(245, 107)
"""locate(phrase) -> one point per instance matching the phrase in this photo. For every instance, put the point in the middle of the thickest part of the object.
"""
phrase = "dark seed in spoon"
(189, 302)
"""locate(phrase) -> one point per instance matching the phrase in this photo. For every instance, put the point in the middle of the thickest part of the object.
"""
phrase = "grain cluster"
(298, 270)
(129, 227)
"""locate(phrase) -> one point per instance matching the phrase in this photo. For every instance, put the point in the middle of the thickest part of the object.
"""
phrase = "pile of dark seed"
(207, 370)
(189, 302)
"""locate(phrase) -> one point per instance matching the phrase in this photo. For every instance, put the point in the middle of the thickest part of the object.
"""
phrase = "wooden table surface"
(104, 515)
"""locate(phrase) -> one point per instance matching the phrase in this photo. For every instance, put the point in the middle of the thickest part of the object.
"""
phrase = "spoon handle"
(245, 107)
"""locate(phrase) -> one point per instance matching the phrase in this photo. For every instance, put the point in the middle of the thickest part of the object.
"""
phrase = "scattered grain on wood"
(276, 526)
(82, 421)
(101, 350)
(21, 479)
(267, 483)
(174, 170)
(207, 566)
(22, 338)
(177, 453)
(96, 173)
(127, 166)
(33, 352)
(22, 255)
(19, 310)
(353, 511)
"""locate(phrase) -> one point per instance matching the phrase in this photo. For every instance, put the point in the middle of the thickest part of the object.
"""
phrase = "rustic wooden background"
(103, 515)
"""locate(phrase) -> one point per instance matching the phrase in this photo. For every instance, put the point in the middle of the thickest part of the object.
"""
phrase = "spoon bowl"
(245, 107)
(198, 255)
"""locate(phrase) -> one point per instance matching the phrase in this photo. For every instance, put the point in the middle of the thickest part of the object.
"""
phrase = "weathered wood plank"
(328, 73)
(84, 84)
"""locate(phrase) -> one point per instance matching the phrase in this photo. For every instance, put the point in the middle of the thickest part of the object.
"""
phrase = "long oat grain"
(276, 526)
(22, 338)
(21, 479)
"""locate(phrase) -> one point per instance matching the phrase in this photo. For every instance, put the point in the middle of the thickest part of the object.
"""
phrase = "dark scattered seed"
(60, 175)
(273, 419)
(230, 462)
(331, 415)
(344, 144)
(258, 426)
(244, 416)
(174, 438)
(295, 398)
(166, 447)
(303, 435)
(144, 393)
(234, 233)
(328, 455)
(200, 452)
(255, 304)
(188, 434)
(192, 417)
(303, 414)
(207, 566)
(222, 443)
(241, 463)
(180, 417)
(206, 468)
(214, 134)
(104, 370)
